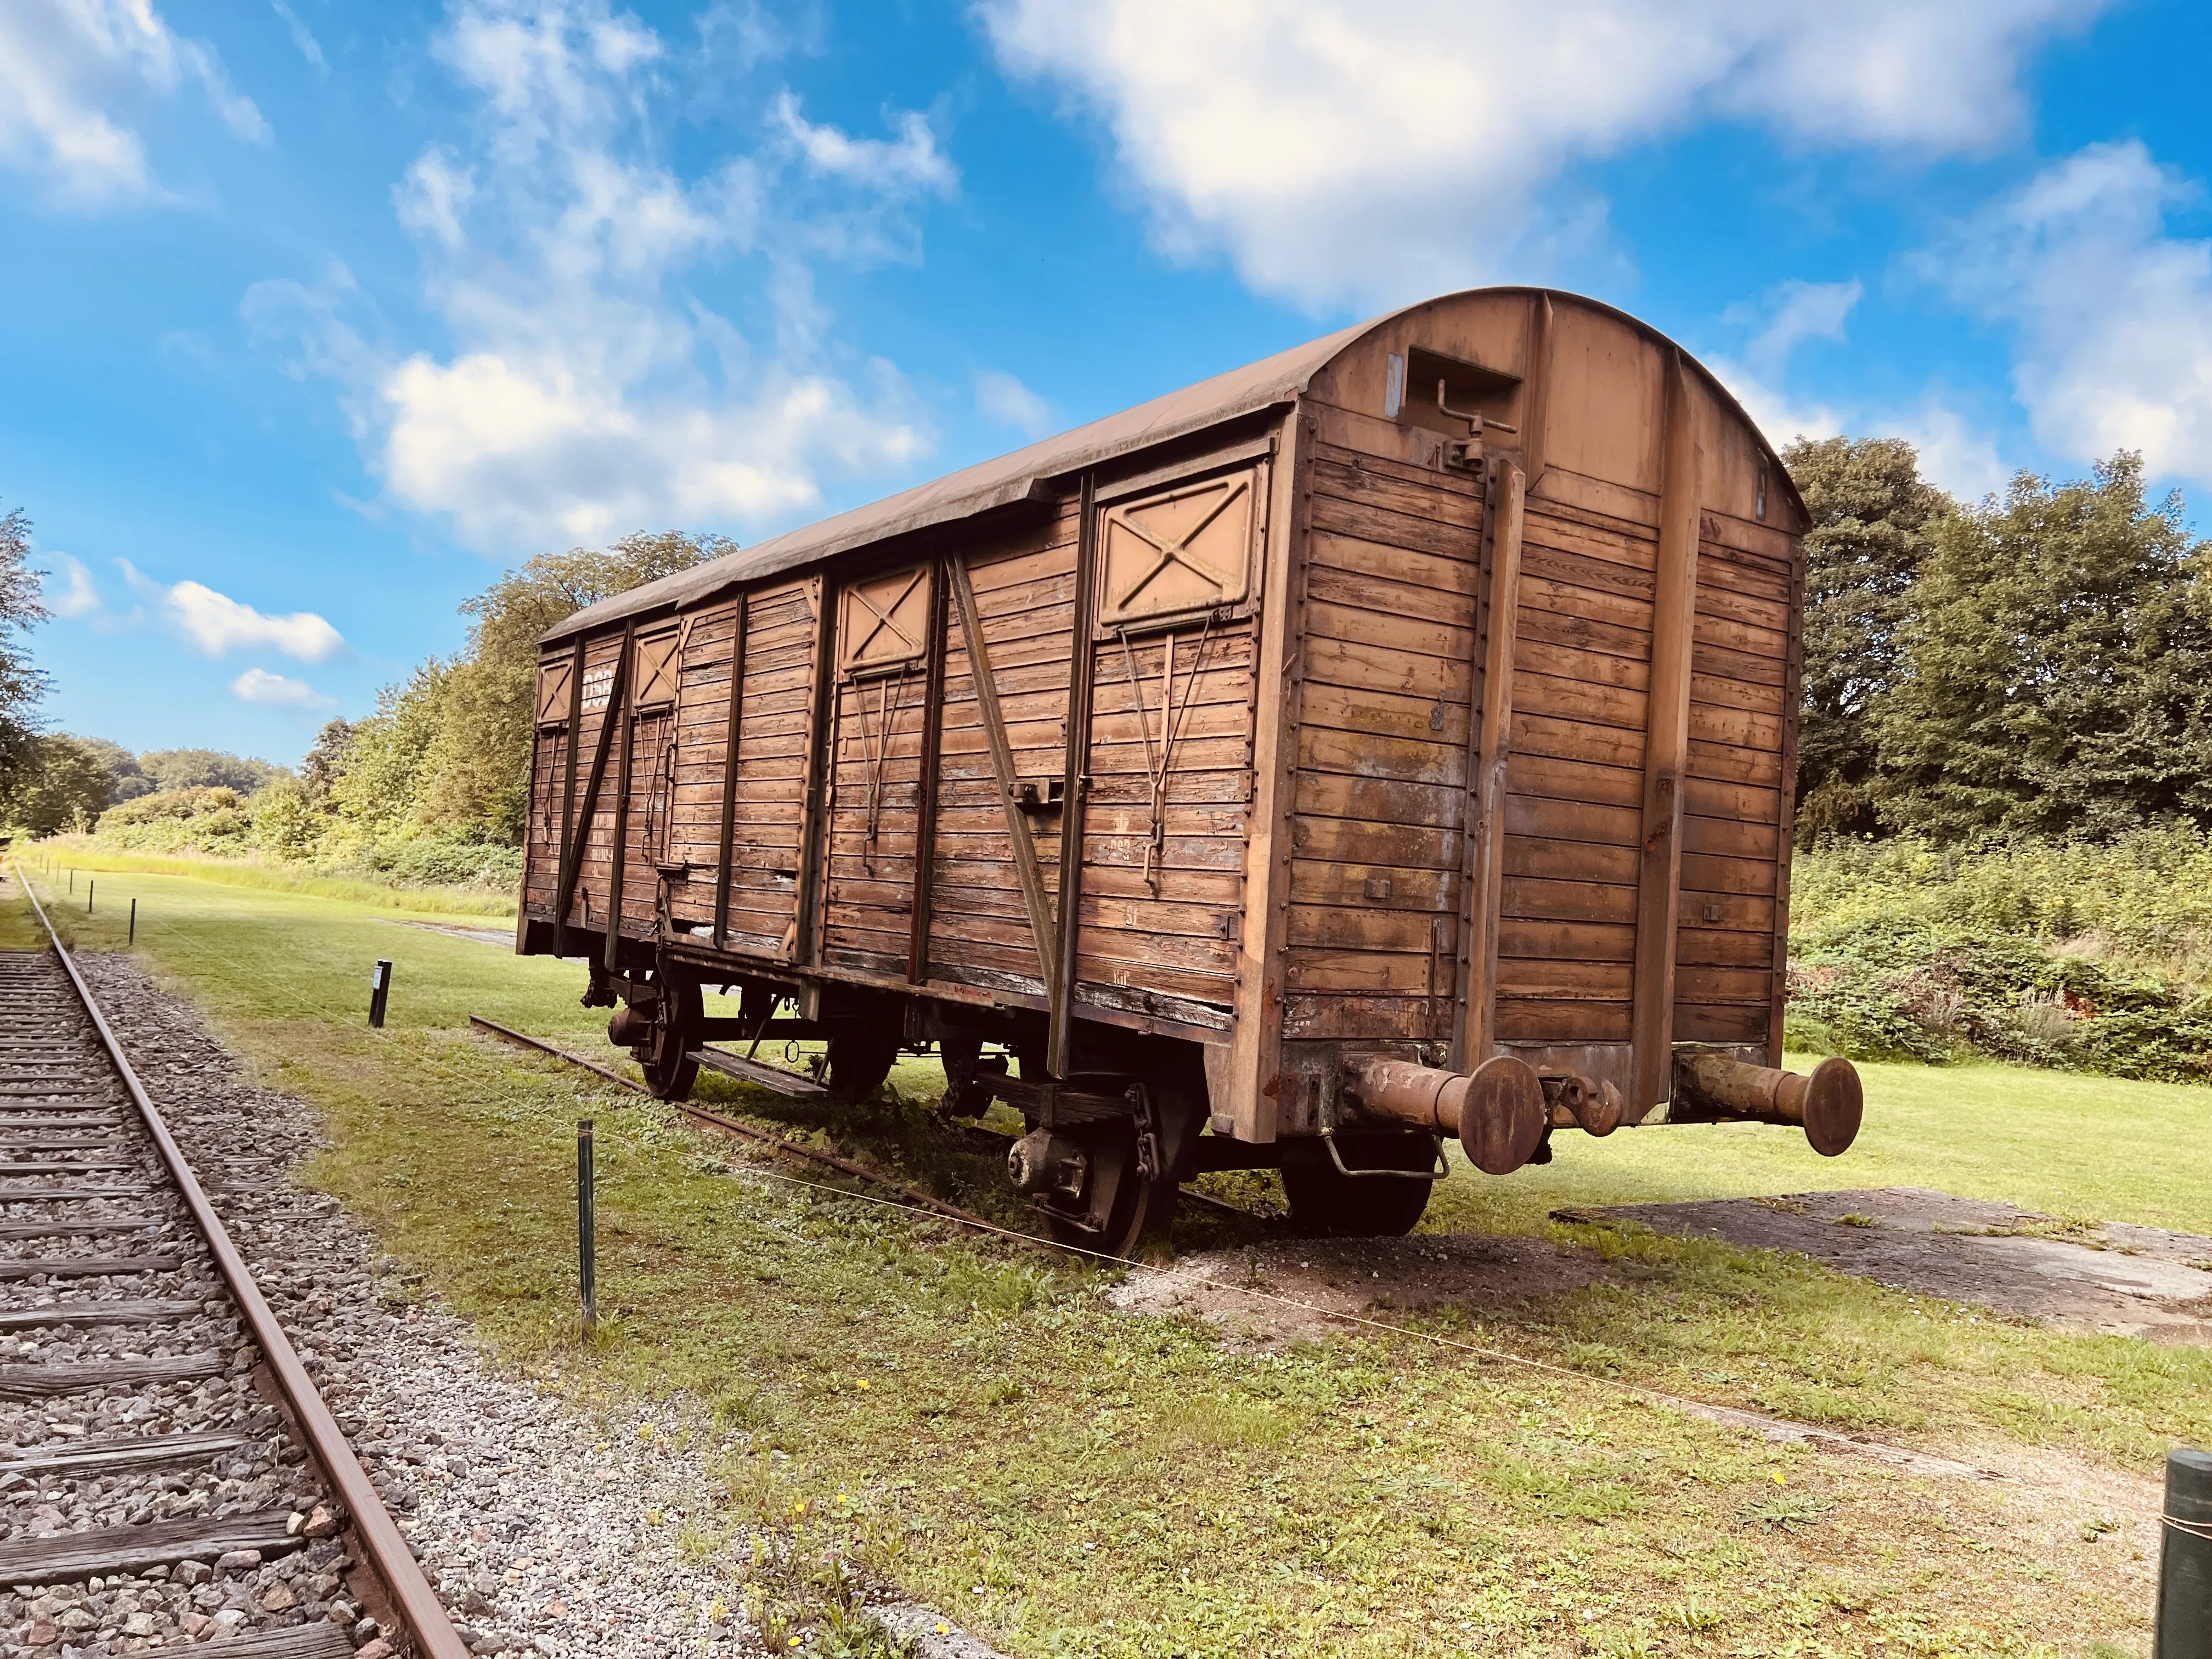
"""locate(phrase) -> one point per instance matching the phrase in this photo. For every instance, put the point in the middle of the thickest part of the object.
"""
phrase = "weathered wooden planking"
(1523, 1019)
(1351, 841)
(1315, 1015)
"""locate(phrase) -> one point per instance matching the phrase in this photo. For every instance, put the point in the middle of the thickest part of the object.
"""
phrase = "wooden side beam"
(812, 894)
(925, 807)
(726, 840)
(1665, 753)
(1535, 415)
(1483, 860)
(1793, 691)
(1076, 783)
(1033, 898)
(1252, 1102)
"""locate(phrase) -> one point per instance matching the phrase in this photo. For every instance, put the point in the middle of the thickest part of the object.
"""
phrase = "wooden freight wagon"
(1391, 740)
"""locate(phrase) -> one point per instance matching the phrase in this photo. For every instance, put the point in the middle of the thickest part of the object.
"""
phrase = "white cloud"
(2112, 316)
(75, 75)
(1954, 453)
(1000, 397)
(302, 37)
(1340, 149)
(259, 685)
(588, 391)
(216, 623)
(913, 162)
(74, 595)
(1796, 312)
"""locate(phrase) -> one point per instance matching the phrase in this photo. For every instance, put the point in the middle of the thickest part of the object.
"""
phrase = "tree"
(380, 787)
(66, 785)
(205, 768)
(22, 684)
(284, 823)
(128, 779)
(319, 769)
(2056, 677)
(1874, 521)
(476, 771)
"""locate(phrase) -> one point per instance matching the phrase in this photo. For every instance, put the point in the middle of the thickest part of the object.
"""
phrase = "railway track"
(169, 1473)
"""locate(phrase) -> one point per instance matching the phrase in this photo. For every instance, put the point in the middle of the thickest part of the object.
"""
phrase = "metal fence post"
(90, 888)
(586, 1243)
(380, 992)
(133, 937)
(2184, 1629)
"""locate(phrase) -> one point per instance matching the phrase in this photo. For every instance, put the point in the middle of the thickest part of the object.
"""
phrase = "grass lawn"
(968, 1419)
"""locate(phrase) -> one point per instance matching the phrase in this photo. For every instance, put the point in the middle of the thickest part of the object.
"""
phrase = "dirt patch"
(1288, 1289)
(2109, 1278)
(1294, 1290)
(502, 937)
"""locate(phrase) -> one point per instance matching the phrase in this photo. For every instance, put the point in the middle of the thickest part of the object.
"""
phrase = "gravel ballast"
(546, 1531)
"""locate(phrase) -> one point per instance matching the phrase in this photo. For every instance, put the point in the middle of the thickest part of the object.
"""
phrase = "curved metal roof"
(1024, 474)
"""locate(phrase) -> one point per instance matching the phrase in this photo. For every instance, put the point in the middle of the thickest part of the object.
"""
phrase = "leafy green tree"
(128, 779)
(67, 784)
(285, 825)
(1874, 521)
(476, 773)
(205, 768)
(379, 787)
(2056, 676)
(319, 769)
(22, 683)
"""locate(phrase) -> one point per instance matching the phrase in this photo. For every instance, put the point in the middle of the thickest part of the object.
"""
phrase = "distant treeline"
(433, 788)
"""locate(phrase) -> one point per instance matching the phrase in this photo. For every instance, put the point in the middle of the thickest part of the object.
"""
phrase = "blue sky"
(317, 314)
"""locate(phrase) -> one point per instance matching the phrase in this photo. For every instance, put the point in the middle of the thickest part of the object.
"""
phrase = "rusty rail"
(382, 1545)
(842, 1166)
(951, 1212)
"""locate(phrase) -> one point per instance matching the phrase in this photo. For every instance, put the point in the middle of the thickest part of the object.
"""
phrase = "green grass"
(63, 853)
(968, 1420)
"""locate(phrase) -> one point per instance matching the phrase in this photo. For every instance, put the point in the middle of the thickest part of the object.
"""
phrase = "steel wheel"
(860, 1059)
(1117, 1203)
(1326, 1203)
(670, 1071)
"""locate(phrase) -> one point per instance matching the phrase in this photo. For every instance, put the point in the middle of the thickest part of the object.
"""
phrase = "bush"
(437, 858)
(202, 820)
(280, 825)
(2085, 959)
(2142, 900)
